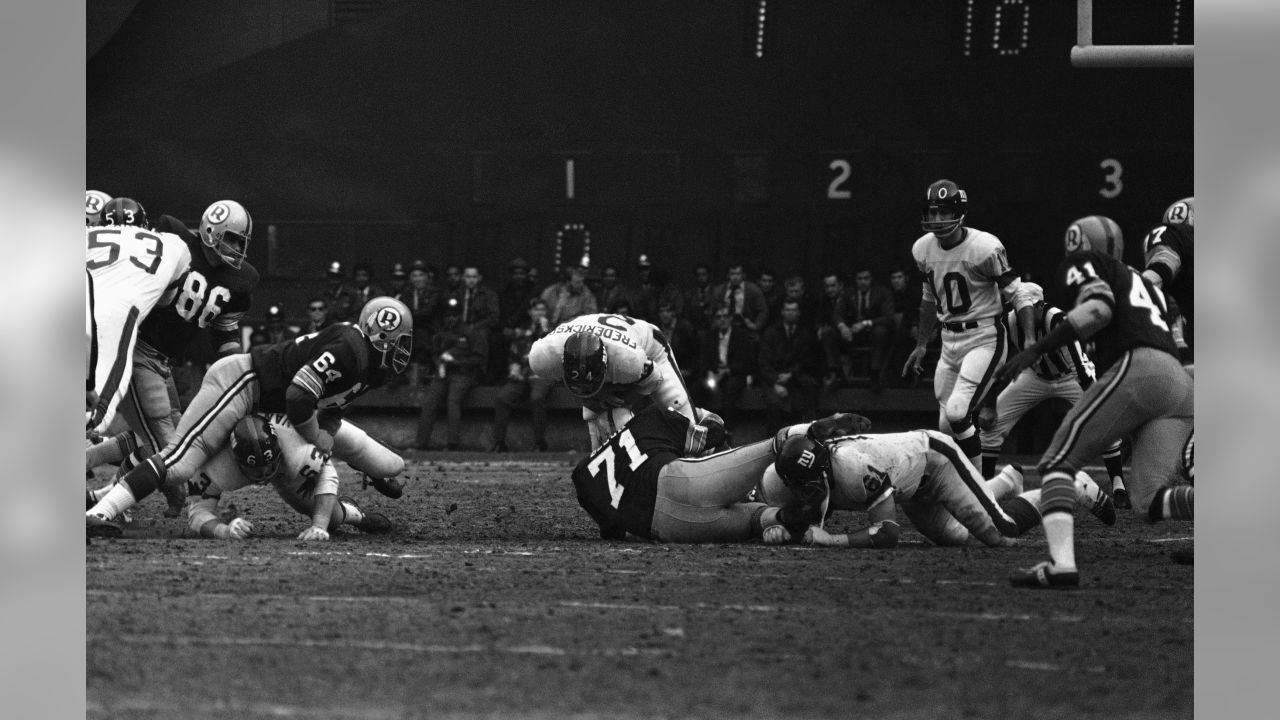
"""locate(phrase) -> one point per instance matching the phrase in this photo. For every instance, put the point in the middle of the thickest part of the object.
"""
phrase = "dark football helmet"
(256, 447)
(1182, 212)
(804, 465)
(388, 324)
(1095, 232)
(585, 363)
(124, 211)
(945, 204)
(225, 228)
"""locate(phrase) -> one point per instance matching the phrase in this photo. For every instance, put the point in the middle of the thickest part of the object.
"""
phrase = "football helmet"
(94, 201)
(804, 465)
(1095, 232)
(1182, 212)
(388, 324)
(124, 211)
(225, 228)
(945, 204)
(585, 363)
(256, 447)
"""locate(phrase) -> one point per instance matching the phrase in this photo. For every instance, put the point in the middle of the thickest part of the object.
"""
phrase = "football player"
(310, 378)
(1169, 260)
(215, 295)
(967, 279)
(1064, 373)
(129, 270)
(613, 363)
(939, 490)
(266, 449)
(647, 481)
(1143, 391)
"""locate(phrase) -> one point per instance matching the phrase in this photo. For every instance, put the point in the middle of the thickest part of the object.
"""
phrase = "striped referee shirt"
(1069, 358)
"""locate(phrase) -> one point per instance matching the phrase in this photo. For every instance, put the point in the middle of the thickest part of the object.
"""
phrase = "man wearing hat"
(339, 296)
(399, 280)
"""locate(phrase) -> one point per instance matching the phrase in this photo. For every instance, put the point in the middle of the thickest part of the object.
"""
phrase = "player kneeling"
(939, 490)
(267, 449)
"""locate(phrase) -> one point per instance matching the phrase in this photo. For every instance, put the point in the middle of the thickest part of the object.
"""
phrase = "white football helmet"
(94, 201)
(1182, 212)
(226, 228)
(388, 324)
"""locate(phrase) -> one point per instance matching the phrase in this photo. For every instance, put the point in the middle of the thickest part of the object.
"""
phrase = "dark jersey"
(618, 484)
(1138, 314)
(1170, 251)
(212, 297)
(336, 364)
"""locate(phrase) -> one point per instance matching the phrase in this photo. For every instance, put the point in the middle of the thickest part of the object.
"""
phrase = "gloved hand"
(314, 533)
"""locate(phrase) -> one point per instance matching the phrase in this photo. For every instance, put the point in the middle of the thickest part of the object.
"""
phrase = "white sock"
(1059, 530)
(1087, 490)
(351, 514)
(1005, 483)
(1117, 483)
(119, 498)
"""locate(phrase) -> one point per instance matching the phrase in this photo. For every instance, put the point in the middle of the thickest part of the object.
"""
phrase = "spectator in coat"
(521, 385)
(743, 298)
(729, 359)
(460, 354)
(790, 366)
(570, 297)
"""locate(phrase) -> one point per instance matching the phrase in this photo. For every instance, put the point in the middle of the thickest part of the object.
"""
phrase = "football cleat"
(1041, 576)
(371, 523)
(391, 487)
(99, 526)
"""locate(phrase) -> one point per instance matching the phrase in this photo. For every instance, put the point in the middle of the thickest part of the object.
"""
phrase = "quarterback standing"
(967, 279)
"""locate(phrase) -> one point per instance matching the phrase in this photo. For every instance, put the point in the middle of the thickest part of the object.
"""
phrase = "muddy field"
(495, 598)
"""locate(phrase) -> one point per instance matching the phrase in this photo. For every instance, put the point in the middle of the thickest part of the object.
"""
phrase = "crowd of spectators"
(728, 331)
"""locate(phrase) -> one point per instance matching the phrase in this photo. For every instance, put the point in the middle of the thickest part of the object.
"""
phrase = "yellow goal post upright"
(1087, 55)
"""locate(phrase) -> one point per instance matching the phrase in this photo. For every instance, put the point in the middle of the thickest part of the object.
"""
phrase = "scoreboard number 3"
(1113, 184)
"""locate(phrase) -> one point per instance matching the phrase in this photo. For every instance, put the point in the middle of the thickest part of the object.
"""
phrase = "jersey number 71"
(605, 458)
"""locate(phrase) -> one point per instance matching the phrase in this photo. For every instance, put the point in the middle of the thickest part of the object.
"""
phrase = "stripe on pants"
(202, 424)
(1003, 523)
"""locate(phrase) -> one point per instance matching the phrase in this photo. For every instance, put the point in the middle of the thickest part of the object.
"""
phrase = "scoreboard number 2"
(837, 190)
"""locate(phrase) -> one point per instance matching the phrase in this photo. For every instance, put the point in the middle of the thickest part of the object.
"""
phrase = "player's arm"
(204, 520)
(301, 399)
(1162, 261)
(882, 533)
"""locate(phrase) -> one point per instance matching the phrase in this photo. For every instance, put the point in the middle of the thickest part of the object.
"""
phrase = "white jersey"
(962, 281)
(302, 473)
(869, 469)
(133, 266)
(128, 272)
(632, 346)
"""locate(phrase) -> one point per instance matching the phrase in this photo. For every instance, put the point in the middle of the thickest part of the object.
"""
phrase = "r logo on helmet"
(217, 212)
(1075, 239)
(388, 318)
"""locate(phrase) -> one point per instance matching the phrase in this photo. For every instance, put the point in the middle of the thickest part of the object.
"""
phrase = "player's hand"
(914, 363)
(314, 533)
(817, 536)
(239, 529)
(776, 535)
(1015, 365)
(987, 417)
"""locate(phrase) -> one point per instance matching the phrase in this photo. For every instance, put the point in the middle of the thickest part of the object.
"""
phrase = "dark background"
(390, 131)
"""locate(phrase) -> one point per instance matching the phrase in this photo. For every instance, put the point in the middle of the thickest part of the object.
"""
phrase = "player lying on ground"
(266, 449)
(924, 471)
(649, 481)
(610, 362)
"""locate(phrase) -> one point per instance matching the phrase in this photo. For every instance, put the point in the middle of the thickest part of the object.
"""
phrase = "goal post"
(1087, 55)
